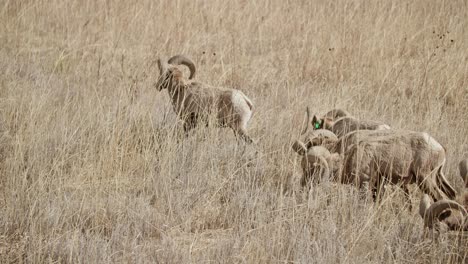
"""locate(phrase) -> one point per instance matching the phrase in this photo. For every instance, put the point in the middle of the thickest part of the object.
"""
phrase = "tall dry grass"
(94, 171)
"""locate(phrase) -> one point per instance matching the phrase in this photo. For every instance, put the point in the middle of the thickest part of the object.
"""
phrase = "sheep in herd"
(341, 123)
(318, 164)
(372, 158)
(399, 157)
(452, 214)
(193, 102)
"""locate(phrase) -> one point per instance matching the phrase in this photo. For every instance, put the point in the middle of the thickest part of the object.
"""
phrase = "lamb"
(452, 214)
(341, 123)
(193, 102)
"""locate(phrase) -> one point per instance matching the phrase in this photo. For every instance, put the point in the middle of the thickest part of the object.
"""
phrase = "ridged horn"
(162, 65)
(182, 60)
(299, 147)
(308, 121)
(438, 207)
(463, 167)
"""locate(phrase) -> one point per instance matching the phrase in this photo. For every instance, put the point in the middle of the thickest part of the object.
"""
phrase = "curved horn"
(308, 121)
(181, 59)
(162, 65)
(438, 207)
(299, 147)
(463, 167)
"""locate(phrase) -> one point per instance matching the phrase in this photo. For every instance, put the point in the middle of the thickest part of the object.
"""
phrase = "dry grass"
(91, 170)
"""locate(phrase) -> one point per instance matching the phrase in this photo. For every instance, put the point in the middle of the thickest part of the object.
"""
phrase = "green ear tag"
(317, 125)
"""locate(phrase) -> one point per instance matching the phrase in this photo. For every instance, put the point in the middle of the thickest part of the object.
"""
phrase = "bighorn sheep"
(341, 123)
(453, 214)
(399, 157)
(371, 158)
(318, 164)
(194, 101)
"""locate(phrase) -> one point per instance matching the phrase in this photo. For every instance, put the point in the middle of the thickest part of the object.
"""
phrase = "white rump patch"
(432, 142)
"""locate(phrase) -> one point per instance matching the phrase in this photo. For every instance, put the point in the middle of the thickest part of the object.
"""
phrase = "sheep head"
(169, 74)
(318, 122)
(443, 211)
(318, 163)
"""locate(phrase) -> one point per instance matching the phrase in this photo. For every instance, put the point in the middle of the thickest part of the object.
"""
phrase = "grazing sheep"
(398, 157)
(318, 164)
(452, 214)
(341, 123)
(193, 101)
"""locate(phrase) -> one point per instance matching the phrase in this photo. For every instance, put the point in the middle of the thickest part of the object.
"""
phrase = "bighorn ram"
(341, 123)
(399, 157)
(318, 164)
(453, 214)
(372, 158)
(194, 101)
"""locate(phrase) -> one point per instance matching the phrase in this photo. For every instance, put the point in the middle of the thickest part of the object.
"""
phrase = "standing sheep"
(399, 157)
(193, 102)
(372, 158)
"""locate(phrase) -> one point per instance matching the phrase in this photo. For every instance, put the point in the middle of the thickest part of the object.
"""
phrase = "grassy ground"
(92, 171)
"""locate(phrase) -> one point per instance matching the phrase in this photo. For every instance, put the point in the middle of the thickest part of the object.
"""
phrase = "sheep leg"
(407, 197)
(378, 190)
(240, 134)
(190, 123)
(364, 187)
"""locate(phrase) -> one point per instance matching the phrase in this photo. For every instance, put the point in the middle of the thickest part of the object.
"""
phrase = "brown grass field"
(93, 169)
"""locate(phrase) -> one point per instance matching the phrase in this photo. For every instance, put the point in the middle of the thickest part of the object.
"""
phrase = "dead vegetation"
(92, 170)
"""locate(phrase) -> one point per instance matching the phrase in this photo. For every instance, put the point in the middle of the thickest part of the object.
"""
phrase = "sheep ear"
(317, 123)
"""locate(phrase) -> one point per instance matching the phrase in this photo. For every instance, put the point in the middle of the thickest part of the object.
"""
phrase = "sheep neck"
(178, 93)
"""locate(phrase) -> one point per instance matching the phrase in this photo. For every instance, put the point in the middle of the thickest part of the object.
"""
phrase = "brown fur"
(402, 157)
(318, 164)
(335, 114)
(347, 124)
(193, 102)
